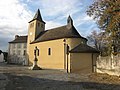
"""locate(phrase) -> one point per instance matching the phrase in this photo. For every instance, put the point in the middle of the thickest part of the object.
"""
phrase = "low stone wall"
(109, 65)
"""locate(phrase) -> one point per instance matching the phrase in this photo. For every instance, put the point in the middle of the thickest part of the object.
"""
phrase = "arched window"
(49, 51)
(31, 25)
(38, 24)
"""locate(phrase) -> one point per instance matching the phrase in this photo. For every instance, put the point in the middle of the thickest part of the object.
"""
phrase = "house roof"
(58, 33)
(83, 48)
(20, 39)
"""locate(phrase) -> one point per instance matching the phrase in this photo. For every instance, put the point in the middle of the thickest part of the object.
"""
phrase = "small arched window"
(31, 25)
(49, 51)
(38, 24)
(42, 25)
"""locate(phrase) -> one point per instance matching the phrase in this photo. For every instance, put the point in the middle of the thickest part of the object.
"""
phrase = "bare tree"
(99, 41)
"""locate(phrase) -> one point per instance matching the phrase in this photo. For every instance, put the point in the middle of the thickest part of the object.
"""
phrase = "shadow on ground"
(32, 83)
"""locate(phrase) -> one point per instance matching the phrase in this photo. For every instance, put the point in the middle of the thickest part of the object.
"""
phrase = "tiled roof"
(20, 39)
(58, 33)
(83, 48)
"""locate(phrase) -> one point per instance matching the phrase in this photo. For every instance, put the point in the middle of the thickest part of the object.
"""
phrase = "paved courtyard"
(15, 77)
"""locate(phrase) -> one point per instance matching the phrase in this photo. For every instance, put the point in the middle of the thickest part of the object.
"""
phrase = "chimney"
(16, 36)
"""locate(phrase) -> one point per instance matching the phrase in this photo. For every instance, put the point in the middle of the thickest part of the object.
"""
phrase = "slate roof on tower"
(37, 16)
(58, 33)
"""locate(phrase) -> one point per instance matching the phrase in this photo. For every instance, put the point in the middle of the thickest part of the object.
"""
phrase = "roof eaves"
(90, 50)
(36, 19)
(52, 39)
(84, 51)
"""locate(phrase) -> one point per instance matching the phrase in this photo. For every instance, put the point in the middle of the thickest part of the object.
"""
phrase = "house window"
(31, 25)
(42, 25)
(19, 45)
(49, 51)
(25, 45)
(24, 53)
(19, 52)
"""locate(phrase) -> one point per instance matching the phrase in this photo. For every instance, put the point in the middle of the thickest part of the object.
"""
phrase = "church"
(60, 47)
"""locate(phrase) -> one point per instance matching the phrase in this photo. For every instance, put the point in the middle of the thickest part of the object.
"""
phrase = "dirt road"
(21, 78)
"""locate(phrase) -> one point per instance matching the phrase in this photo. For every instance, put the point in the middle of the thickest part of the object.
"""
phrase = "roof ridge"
(56, 27)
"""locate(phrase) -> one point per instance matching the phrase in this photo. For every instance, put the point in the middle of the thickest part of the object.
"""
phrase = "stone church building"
(59, 48)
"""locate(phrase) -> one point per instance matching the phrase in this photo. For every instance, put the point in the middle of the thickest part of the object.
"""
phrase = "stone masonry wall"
(109, 65)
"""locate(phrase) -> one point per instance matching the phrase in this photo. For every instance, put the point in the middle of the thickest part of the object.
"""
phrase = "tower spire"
(69, 22)
(38, 16)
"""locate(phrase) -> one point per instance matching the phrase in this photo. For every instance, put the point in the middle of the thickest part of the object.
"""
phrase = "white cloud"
(83, 18)
(14, 17)
(15, 14)
(59, 7)
(51, 24)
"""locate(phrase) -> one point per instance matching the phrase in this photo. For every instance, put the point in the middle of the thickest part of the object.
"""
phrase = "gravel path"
(14, 77)
(3, 81)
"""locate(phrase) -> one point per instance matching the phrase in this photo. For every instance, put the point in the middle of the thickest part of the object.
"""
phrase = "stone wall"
(109, 64)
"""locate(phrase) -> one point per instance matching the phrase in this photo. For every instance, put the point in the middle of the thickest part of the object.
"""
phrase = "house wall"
(53, 61)
(58, 58)
(17, 53)
(14, 48)
(72, 43)
(34, 29)
(31, 34)
(82, 62)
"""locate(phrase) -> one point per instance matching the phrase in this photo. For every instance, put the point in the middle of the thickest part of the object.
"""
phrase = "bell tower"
(36, 25)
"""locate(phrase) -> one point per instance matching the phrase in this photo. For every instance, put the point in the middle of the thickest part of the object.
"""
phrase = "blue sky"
(15, 15)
